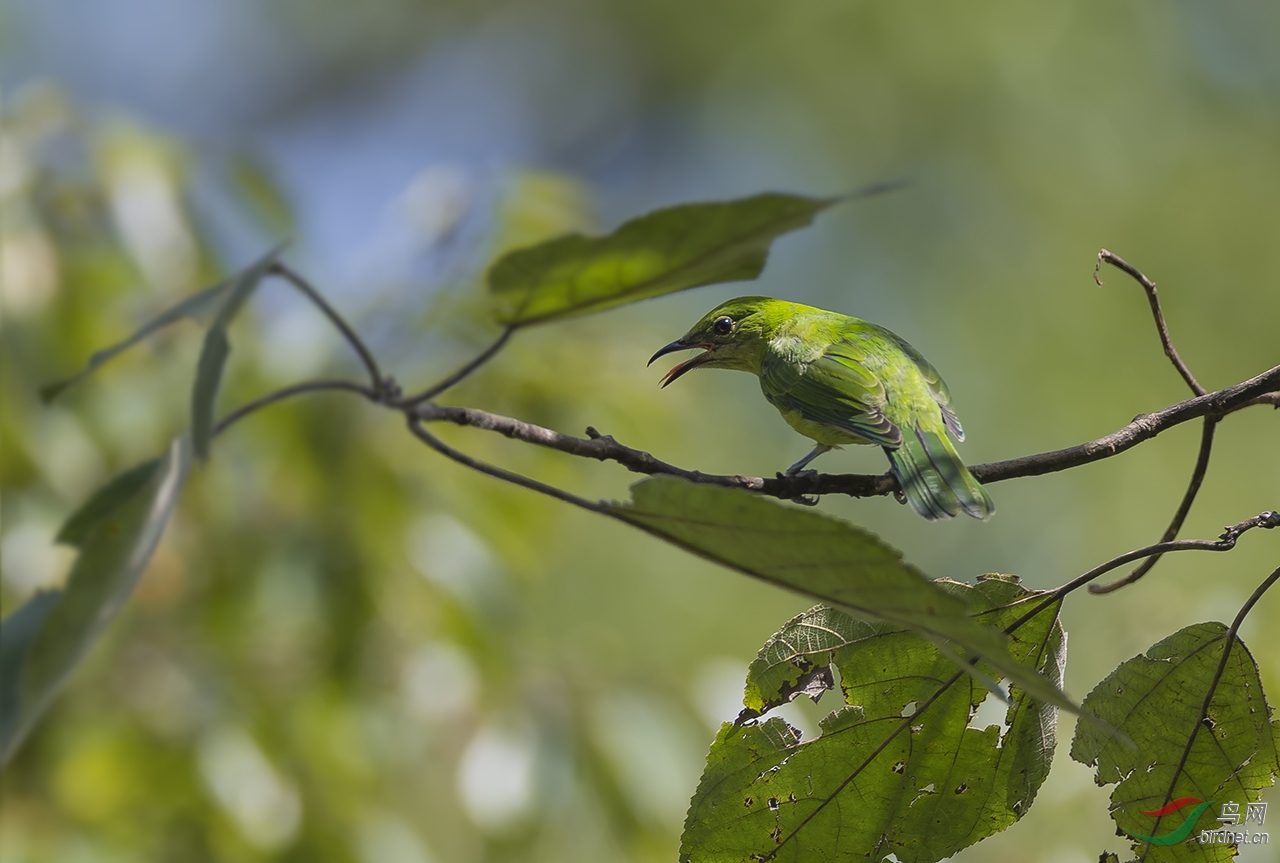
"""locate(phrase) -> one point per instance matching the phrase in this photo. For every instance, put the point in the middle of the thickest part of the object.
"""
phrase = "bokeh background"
(347, 649)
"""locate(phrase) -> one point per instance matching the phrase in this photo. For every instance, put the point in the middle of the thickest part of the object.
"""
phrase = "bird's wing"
(937, 386)
(836, 390)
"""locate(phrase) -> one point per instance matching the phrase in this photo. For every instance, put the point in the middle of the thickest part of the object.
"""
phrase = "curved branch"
(357, 344)
(289, 392)
(1179, 517)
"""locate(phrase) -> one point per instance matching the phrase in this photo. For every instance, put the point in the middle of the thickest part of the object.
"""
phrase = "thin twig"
(366, 356)
(1225, 542)
(418, 431)
(1210, 422)
(1179, 517)
(456, 377)
(1228, 642)
(1154, 299)
(289, 392)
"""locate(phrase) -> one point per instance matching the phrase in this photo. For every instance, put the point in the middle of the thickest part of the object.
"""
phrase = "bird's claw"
(792, 473)
(806, 499)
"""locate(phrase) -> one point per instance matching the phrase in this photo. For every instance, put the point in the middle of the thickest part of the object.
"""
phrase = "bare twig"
(366, 356)
(1143, 427)
(1179, 517)
(1154, 299)
(1210, 422)
(1225, 542)
(456, 377)
(289, 392)
(418, 431)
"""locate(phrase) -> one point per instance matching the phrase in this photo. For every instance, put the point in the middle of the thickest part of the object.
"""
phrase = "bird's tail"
(935, 480)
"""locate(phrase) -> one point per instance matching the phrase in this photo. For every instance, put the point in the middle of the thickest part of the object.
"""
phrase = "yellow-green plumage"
(840, 380)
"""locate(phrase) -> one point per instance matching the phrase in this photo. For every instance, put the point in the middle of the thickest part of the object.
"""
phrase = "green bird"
(840, 380)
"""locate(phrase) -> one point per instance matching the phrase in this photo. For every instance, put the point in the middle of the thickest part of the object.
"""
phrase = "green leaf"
(1156, 699)
(898, 769)
(197, 306)
(104, 501)
(45, 639)
(659, 253)
(203, 306)
(824, 558)
(217, 347)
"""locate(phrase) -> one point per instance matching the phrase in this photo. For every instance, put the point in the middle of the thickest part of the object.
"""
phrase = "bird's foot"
(794, 472)
(806, 499)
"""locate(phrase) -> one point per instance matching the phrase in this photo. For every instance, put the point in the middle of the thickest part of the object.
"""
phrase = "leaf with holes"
(116, 532)
(824, 558)
(900, 768)
(665, 251)
(1184, 755)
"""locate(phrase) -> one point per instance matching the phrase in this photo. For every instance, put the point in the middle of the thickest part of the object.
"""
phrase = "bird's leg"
(817, 451)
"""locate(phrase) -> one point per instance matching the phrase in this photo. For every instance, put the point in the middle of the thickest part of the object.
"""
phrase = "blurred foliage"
(360, 633)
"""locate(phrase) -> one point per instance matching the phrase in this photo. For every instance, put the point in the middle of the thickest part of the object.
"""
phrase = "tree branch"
(605, 448)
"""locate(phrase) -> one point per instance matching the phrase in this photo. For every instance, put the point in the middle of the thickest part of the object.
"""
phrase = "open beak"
(691, 363)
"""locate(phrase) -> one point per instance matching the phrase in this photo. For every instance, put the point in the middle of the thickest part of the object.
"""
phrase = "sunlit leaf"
(824, 558)
(45, 639)
(217, 347)
(659, 253)
(899, 769)
(1156, 698)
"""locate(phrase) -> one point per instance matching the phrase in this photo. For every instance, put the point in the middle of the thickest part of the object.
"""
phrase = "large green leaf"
(899, 769)
(116, 532)
(659, 253)
(824, 558)
(1156, 699)
(217, 347)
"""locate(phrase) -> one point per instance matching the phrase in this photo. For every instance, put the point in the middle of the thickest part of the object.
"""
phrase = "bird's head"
(731, 336)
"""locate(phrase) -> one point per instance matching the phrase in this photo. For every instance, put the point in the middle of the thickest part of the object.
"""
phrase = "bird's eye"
(723, 326)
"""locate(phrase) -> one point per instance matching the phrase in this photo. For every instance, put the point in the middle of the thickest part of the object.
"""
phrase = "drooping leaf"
(668, 250)
(203, 307)
(46, 638)
(898, 769)
(1156, 699)
(824, 558)
(197, 306)
(216, 349)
